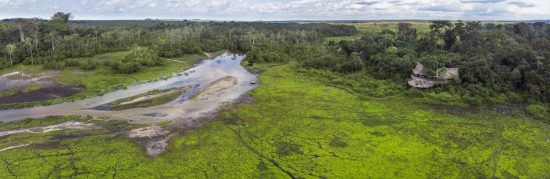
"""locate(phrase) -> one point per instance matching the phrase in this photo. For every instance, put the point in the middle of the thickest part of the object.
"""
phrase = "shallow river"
(195, 79)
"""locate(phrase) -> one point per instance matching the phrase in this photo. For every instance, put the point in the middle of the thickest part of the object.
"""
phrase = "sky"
(281, 9)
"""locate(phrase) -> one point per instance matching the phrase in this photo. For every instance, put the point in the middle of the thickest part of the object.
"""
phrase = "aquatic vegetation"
(9, 92)
(283, 99)
(298, 126)
(152, 98)
(99, 81)
(27, 123)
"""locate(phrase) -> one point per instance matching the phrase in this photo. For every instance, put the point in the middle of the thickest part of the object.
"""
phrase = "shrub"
(336, 142)
(144, 57)
(72, 63)
(134, 62)
(107, 63)
(514, 97)
(391, 50)
(4, 63)
(89, 65)
(539, 111)
(53, 65)
(126, 67)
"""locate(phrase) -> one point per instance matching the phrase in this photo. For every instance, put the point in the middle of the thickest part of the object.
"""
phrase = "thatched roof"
(450, 73)
(421, 80)
(418, 70)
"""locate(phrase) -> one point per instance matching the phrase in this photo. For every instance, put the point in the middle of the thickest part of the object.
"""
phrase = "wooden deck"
(420, 82)
(419, 79)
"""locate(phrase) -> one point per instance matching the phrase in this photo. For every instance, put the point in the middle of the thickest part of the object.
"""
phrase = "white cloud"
(281, 9)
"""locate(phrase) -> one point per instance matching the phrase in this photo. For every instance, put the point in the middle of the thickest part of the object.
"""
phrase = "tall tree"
(406, 34)
(20, 24)
(36, 23)
(58, 24)
(29, 43)
(442, 32)
(53, 36)
(61, 17)
(10, 48)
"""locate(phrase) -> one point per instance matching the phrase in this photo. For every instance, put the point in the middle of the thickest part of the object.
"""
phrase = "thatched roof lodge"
(419, 79)
(448, 73)
(419, 70)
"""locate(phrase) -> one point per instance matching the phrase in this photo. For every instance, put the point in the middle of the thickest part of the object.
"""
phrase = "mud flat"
(216, 87)
(148, 97)
(19, 80)
(14, 147)
(70, 125)
(208, 87)
(42, 94)
(214, 82)
(154, 139)
(153, 98)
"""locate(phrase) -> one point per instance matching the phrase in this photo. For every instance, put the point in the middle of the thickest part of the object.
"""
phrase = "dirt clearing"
(154, 139)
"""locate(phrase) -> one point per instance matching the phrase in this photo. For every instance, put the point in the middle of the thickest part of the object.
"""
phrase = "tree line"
(492, 58)
(510, 59)
(49, 42)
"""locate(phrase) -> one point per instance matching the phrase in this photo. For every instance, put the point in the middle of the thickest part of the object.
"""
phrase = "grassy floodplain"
(102, 79)
(169, 95)
(301, 126)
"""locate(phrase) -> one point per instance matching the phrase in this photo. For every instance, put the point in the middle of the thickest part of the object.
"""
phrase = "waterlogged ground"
(298, 127)
(102, 80)
(207, 77)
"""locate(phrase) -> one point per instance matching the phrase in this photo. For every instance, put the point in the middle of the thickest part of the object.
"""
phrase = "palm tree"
(10, 48)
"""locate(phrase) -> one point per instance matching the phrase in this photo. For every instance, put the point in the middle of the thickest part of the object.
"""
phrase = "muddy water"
(23, 80)
(197, 78)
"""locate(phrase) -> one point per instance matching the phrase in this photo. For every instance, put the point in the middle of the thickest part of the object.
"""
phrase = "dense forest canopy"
(494, 59)
(510, 59)
(499, 57)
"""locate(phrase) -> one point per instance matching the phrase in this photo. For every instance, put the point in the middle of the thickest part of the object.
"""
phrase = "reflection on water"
(196, 78)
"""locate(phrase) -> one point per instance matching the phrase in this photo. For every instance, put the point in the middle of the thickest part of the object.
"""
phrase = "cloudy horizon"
(281, 10)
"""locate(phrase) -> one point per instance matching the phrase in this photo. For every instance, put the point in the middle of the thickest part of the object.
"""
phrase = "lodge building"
(419, 78)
